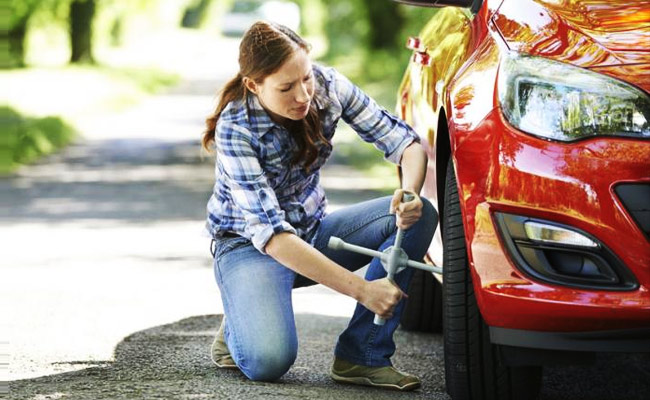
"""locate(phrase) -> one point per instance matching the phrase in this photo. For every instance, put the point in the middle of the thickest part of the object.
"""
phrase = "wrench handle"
(392, 263)
(406, 197)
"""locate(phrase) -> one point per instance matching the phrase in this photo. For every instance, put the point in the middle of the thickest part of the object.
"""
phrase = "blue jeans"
(256, 290)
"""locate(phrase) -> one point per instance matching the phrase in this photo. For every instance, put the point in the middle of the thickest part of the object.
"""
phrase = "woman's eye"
(286, 90)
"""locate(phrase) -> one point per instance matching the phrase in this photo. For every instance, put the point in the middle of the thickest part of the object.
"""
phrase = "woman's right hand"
(381, 297)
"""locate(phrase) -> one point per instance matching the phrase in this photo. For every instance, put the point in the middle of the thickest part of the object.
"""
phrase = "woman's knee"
(425, 227)
(429, 216)
(269, 364)
(429, 212)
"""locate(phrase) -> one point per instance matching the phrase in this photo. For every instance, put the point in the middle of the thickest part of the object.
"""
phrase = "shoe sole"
(224, 366)
(360, 380)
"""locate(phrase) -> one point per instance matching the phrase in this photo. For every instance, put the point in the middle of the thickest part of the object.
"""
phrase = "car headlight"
(558, 101)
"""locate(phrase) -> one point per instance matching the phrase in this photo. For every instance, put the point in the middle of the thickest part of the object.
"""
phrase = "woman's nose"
(303, 94)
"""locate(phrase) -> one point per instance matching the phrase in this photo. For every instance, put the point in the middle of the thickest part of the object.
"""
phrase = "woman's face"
(288, 92)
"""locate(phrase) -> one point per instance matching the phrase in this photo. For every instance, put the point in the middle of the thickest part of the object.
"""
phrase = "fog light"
(555, 234)
(561, 254)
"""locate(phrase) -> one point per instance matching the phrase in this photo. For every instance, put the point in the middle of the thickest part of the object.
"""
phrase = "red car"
(535, 116)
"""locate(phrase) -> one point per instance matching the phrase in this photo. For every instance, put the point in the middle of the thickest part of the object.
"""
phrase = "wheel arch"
(443, 153)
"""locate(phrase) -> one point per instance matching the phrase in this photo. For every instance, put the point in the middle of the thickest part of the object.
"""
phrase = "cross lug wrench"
(393, 259)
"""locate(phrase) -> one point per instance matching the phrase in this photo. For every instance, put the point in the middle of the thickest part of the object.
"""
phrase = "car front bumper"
(502, 170)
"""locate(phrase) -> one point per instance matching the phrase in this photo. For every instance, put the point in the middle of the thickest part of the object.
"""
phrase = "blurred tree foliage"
(14, 31)
(21, 13)
(384, 24)
(366, 41)
(80, 19)
(357, 32)
(197, 13)
(360, 28)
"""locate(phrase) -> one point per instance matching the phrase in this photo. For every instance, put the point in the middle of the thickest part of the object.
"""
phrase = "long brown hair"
(264, 48)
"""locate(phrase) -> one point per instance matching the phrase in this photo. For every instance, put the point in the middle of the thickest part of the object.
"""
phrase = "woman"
(272, 132)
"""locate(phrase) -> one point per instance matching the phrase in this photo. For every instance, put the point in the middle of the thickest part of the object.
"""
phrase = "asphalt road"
(172, 362)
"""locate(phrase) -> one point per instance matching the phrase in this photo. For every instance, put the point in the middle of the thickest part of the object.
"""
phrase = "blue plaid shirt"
(256, 194)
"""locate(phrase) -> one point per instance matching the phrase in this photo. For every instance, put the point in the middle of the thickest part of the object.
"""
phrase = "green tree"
(363, 25)
(81, 21)
(196, 13)
(13, 34)
(80, 14)
(384, 23)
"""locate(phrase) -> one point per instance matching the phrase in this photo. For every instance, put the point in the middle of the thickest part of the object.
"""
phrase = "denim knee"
(429, 213)
(425, 227)
(269, 364)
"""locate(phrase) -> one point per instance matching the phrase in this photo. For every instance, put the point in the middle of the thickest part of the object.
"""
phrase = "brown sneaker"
(383, 377)
(220, 354)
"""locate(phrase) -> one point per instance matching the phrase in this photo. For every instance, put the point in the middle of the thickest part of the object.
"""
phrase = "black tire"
(423, 310)
(473, 370)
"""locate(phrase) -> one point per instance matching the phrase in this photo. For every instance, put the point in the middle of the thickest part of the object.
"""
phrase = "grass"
(25, 139)
(43, 104)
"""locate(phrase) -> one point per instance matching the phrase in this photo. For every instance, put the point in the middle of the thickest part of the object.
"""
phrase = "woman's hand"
(381, 297)
(407, 213)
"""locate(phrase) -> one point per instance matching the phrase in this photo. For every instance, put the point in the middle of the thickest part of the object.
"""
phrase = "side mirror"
(438, 3)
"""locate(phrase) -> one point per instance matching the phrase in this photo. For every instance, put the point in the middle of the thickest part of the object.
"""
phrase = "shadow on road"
(134, 180)
(123, 180)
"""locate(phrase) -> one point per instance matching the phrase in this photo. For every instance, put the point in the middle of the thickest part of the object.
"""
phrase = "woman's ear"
(250, 85)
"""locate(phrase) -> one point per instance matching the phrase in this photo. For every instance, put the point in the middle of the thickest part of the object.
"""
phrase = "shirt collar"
(260, 121)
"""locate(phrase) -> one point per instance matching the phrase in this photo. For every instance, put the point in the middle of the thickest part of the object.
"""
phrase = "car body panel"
(636, 74)
(585, 33)
(501, 169)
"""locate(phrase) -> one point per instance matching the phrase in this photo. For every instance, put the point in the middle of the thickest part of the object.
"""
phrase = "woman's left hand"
(406, 213)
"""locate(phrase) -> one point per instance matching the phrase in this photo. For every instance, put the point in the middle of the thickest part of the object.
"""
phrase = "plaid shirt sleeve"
(373, 123)
(250, 189)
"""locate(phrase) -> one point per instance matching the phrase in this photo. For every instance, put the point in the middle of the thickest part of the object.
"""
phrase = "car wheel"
(473, 369)
(423, 310)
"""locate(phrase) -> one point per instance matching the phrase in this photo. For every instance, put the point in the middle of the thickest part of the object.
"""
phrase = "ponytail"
(233, 91)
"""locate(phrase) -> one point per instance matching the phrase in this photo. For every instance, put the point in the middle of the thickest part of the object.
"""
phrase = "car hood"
(586, 33)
